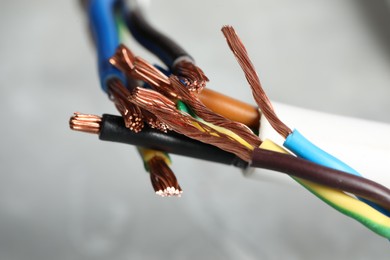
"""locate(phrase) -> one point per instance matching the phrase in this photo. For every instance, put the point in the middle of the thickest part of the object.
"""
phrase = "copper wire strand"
(161, 83)
(173, 87)
(123, 58)
(138, 68)
(163, 179)
(183, 123)
(142, 70)
(85, 123)
(194, 76)
(133, 115)
(259, 94)
(208, 115)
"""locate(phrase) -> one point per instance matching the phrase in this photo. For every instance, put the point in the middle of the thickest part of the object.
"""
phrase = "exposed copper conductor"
(85, 123)
(259, 95)
(133, 115)
(163, 179)
(128, 63)
(208, 115)
(154, 122)
(194, 77)
(137, 68)
(183, 123)
(123, 58)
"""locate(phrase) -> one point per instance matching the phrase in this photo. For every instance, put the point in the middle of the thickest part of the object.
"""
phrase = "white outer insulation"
(362, 144)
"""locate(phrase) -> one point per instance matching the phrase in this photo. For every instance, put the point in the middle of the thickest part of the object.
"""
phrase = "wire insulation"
(231, 108)
(153, 40)
(345, 204)
(104, 29)
(313, 172)
(113, 129)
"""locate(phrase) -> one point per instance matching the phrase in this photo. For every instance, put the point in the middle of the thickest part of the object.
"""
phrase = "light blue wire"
(303, 148)
(105, 32)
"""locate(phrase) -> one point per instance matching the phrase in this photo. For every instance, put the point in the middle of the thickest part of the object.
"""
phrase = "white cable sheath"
(362, 144)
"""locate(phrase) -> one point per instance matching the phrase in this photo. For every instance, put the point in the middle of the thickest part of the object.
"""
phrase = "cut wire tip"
(261, 98)
(163, 179)
(170, 192)
(86, 123)
(193, 76)
(138, 68)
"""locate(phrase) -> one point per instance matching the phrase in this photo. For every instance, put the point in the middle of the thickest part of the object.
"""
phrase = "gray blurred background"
(65, 195)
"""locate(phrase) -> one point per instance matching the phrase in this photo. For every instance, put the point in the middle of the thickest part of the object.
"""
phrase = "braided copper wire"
(133, 115)
(259, 95)
(85, 123)
(163, 180)
(166, 111)
(173, 87)
(206, 114)
(194, 76)
(138, 68)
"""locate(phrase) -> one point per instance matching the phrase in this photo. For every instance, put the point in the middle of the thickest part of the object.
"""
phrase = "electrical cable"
(301, 168)
(112, 128)
(231, 108)
(169, 52)
(108, 29)
(138, 68)
(345, 204)
(294, 140)
(104, 30)
(165, 110)
(108, 19)
(163, 180)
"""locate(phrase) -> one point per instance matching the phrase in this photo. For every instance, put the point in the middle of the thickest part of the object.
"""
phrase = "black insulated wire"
(313, 172)
(113, 129)
(167, 50)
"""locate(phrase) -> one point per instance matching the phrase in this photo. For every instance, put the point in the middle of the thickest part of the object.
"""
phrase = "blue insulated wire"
(105, 32)
(303, 148)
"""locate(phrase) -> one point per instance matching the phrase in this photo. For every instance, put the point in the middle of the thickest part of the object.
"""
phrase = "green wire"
(370, 224)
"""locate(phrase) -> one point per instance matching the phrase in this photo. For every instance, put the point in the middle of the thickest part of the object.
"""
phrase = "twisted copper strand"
(85, 123)
(163, 179)
(206, 114)
(258, 92)
(182, 123)
(133, 115)
(193, 75)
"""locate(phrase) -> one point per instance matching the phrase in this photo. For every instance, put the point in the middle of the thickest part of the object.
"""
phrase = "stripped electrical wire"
(174, 56)
(134, 120)
(85, 123)
(138, 68)
(209, 116)
(272, 160)
(163, 180)
(132, 65)
(295, 142)
(112, 128)
(261, 98)
(179, 103)
(183, 123)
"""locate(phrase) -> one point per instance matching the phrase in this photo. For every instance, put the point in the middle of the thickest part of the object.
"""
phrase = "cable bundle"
(169, 110)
